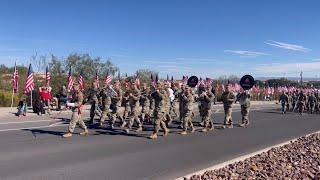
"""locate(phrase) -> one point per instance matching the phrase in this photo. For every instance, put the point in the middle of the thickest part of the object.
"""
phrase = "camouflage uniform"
(77, 98)
(159, 113)
(301, 102)
(228, 98)
(283, 99)
(312, 101)
(289, 101)
(179, 94)
(94, 101)
(187, 101)
(106, 102)
(294, 102)
(126, 104)
(205, 104)
(134, 97)
(145, 105)
(167, 109)
(318, 101)
(115, 105)
(173, 108)
(244, 100)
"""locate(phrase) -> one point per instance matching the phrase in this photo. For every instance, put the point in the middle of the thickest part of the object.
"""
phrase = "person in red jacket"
(45, 96)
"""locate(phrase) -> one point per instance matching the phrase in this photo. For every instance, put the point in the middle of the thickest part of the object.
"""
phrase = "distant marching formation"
(157, 101)
(300, 101)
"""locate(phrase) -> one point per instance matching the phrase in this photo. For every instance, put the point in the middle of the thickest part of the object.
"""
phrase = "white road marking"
(22, 122)
(240, 158)
(34, 127)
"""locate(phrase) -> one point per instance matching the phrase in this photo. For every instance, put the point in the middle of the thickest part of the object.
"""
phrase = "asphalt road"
(41, 153)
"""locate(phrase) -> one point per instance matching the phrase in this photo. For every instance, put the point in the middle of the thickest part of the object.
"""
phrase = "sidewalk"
(8, 112)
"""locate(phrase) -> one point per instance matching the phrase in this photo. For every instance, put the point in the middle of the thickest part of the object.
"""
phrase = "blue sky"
(175, 37)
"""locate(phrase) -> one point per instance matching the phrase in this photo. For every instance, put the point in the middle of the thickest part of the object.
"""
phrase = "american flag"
(184, 79)
(81, 81)
(69, 80)
(209, 82)
(107, 79)
(137, 81)
(15, 81)
(29, 86)
(96, 80)
(201, 82)
(48, 76)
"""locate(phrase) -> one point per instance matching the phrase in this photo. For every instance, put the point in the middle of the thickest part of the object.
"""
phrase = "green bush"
(5, 99)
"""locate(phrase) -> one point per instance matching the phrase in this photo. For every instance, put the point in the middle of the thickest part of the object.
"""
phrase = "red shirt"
(45, 95)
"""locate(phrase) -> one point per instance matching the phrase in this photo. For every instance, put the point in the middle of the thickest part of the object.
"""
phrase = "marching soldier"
(227, 98)
(134, 96)
(301, 102)
(159, 111)
(94, 101)
(116, 104)
(179, 95)
(168, 104)
(289, 101)
(312, 101)
(205, 104)
(318, 101)
(126, 104)
(173, 100)
(76, 105)
(106, 102)
(145, 103)
(187, 104)
(283, 99)
(244, 101)
(152, 103)
(294, 101)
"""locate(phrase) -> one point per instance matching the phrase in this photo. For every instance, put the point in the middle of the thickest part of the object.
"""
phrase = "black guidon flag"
(192, 81)
(247, 82)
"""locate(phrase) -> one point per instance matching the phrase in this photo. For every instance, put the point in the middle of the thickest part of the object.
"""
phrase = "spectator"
(45, 96)
(22, 108)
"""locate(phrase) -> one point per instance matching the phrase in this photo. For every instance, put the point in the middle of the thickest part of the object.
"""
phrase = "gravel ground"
(299, 159)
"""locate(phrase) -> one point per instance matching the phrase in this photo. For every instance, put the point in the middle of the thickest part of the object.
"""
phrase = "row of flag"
(29, 85)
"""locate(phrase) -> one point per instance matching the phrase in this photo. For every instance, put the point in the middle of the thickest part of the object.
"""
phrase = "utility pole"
(301, 78)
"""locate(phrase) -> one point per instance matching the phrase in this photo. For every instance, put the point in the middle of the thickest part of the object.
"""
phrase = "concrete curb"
(241, 158)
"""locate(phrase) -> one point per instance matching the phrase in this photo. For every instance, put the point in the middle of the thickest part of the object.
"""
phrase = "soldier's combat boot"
(67, 135)
(139, 129)
(166, 132)
(127, 130)
(184, 133)
(204, 129)
(84, 133)
(153, 136)
(242, 124)
(123, 124)
(211, 126)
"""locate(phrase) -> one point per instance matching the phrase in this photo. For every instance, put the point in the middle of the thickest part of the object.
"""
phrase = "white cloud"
(247, 53)
(292, 47)
(288, 68)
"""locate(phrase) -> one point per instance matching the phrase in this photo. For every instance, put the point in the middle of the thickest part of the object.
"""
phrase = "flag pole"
(31, 98)
(12, 97)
